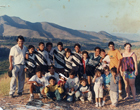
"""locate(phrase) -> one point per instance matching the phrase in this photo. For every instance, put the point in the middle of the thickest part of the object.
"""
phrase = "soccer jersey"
(30, 62)
(68, 63)
(114, 56)
(42, 58)
(77, 59)
(59, 58)
(50, 53)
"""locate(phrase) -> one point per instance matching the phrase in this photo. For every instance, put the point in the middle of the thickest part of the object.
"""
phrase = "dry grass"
(4, 84)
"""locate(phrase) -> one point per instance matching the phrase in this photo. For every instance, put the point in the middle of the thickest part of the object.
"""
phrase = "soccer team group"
(62, 74)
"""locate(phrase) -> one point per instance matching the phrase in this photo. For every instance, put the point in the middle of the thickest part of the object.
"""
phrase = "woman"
(129, 70)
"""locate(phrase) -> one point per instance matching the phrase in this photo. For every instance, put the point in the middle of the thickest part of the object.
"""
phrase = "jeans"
(70, 97)
(18, 70)
(56, 94)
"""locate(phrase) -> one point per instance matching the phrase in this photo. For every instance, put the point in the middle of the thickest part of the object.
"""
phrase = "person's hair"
(97, 48)
(83, 79)
(114, 69)
(85, 52)
(77, 45)
(41, 43)
(49, 43)
(60, 43)
(38, 68)
(68, 50)
(72, 72)
(51, 66)
(106, 68)
(111, 43)
(20, 37)
(102, 50)
(97, 71)
(31, 46)
(53, 78)
(127, 44)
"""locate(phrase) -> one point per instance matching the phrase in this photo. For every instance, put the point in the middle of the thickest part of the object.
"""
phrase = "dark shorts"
(44, 69)
(90, 70)
(38, 89)
(105, 92)
(29, 73)
(59, 70)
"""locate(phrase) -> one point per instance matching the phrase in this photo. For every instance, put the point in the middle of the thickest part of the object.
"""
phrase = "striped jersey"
(77, 59)
(59, 58)
(68, 63)
(30, 62)
(50, 53)
(42, 58)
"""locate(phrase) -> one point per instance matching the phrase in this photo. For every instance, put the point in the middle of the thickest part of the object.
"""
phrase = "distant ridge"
(13, 26)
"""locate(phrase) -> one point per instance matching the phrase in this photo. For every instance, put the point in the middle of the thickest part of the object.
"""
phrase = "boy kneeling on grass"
(37, 83)
(53, 90)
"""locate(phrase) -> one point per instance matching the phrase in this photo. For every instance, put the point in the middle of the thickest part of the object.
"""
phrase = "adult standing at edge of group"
(17, 61)
(129, 70)
(94, 60)
(115, 59)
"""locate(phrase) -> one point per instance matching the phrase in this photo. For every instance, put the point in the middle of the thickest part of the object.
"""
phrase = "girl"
(98, 89)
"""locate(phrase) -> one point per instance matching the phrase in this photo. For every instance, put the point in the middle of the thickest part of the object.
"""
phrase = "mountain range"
(14, 26)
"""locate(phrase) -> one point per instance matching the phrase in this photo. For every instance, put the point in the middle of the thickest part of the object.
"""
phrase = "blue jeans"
(56, 94)
(70, 97)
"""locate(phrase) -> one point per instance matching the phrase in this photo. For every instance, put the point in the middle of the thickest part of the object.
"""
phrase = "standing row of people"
(76, 63)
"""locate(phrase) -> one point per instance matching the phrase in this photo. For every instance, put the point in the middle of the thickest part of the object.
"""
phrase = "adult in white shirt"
(17, 61)
(52, 73)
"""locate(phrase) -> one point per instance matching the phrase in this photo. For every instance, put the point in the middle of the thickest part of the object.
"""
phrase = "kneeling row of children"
(75, 89)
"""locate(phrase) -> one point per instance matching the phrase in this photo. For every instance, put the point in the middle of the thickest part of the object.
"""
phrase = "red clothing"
(60, 81)
(84, 65)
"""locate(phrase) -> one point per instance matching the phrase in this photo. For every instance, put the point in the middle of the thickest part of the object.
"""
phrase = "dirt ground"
(19, 103)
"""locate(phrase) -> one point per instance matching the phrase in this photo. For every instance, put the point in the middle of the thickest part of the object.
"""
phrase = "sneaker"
(40, 96)
(100, 105)
(31, 98)
(96, 105)
(103, 103)
(20, 94)
(11, 96)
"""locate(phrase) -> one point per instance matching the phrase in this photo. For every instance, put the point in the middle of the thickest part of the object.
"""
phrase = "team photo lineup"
(60, 74)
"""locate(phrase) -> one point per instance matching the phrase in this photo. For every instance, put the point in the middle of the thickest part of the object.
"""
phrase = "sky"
(113, 16)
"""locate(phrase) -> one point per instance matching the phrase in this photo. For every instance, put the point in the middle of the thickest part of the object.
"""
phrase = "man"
(115, 59)
(17, 61)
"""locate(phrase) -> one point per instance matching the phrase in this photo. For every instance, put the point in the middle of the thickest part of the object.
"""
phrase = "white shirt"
(107, 59)
(18, 55)
(99, 81)
(41, 80)
(56, 76)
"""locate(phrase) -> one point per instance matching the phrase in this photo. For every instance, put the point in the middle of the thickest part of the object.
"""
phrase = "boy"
(42, 58)
(71, 86)
(77, 59)
(114, 80)
(53, 90)
(52, 73)
(37, 83)
(30, 62)
(115, 59)
(105, 60)
(84, 62)
(50, 50)
(59, 58)
(85, 91)
(68, 62)
(106, 83)
(94, 60)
